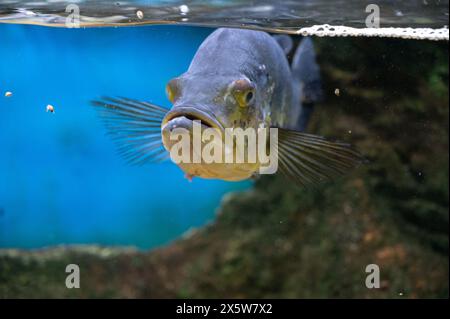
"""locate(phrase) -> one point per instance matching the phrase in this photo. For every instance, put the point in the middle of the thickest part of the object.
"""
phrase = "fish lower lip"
(193, 115)
(195, 118)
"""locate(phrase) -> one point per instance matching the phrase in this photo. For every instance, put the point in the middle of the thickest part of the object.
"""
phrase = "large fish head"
(219, 103)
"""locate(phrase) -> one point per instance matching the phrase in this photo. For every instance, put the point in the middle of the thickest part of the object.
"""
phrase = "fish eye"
(243, 92)
(172, 90)
(249, 97)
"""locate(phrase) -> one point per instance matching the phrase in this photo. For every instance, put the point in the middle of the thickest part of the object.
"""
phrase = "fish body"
(230, 55)
(227, 62)
(238, 79)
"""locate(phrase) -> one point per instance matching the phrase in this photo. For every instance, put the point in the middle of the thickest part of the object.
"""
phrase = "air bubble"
(184, 9)
(405, 33)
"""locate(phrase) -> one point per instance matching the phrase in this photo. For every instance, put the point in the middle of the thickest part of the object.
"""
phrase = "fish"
(238, 78)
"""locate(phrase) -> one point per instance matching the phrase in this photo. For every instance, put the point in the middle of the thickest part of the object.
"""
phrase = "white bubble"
(184, 9)
(405, 33)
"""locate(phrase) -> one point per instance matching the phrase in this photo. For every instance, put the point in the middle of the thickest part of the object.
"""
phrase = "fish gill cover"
(415, 19)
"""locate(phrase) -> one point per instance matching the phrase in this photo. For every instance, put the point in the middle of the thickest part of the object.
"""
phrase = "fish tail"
(307, 80)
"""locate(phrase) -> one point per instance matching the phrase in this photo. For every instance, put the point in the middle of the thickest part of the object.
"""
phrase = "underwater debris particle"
(349, 131)
(337, 92)
(8, 94)
(184, 9)
(140, 14)
(50, 108)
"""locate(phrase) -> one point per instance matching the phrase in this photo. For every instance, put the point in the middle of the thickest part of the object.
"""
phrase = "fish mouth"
(193, 114)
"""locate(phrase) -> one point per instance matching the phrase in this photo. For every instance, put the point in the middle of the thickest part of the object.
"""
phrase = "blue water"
(61, 181)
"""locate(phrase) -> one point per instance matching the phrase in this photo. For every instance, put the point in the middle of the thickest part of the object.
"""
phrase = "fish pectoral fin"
(310, 159)
(135, 127)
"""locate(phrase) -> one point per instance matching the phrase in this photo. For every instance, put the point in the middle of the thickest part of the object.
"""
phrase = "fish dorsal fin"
(135, 127)
(310, 159)
(306, 81)
(306, 72)
(285, 42)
